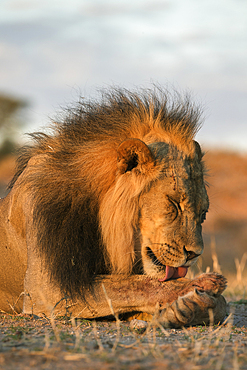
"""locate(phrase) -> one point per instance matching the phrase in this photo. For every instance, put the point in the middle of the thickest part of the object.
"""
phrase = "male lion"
(110, 206)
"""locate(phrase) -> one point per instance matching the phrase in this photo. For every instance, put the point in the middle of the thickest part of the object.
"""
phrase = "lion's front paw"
(211, 283)
(193, 309)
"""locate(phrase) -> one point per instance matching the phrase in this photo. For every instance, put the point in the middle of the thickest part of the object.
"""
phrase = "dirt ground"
(38, 343)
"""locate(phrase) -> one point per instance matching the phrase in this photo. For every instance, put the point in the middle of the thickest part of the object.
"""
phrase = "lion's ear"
(134, 153)
(198, 150)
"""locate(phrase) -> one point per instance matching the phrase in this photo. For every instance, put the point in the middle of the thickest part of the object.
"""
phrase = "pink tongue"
(174, 272)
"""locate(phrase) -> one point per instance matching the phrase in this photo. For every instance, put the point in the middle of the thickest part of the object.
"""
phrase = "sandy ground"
(34, 343)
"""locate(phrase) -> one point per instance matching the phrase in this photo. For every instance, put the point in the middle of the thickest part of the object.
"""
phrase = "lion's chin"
(174, 272)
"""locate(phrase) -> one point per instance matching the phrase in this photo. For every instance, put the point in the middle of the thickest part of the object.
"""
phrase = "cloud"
(49, 49)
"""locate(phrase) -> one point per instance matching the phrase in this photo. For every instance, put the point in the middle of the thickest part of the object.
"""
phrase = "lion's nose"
(190, 255)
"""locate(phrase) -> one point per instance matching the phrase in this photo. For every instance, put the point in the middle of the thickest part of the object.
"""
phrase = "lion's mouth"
(174, 272)
(171, 272)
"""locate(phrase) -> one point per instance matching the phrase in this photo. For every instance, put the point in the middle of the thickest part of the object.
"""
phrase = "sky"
(52, 52)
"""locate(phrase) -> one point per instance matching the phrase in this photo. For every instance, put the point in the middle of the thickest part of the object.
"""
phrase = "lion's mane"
(84, 212)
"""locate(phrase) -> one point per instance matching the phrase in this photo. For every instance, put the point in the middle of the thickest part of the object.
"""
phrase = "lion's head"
(155, 210)
(118, 188)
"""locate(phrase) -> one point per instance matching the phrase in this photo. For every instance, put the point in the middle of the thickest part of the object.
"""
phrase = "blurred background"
(52, 52)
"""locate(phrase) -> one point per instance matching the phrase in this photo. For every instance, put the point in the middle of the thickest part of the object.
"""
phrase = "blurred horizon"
(53, 52)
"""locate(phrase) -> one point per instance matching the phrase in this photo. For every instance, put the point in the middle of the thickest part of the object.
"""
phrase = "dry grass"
(61, 343)
(27, 343)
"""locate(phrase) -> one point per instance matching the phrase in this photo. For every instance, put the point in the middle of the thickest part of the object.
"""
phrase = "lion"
(109, 208)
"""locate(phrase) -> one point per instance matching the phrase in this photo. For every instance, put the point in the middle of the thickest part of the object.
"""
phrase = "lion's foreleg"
(114, 294)
(177, 303)
(111, 293)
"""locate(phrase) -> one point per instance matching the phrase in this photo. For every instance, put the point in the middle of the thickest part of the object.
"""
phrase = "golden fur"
(117, 189)
(81, 155)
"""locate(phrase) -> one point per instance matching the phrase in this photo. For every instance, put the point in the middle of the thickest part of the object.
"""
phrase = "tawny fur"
(84, 211)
